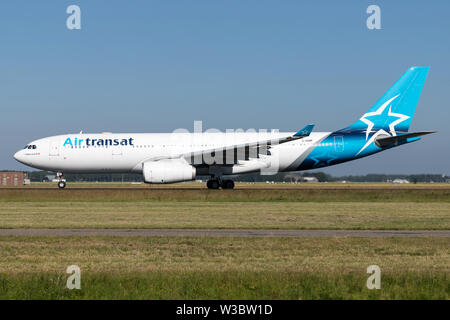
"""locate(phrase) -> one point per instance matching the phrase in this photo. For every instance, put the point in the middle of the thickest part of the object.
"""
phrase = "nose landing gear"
(61, 182)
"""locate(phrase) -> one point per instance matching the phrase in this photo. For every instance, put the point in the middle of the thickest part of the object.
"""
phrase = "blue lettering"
(68, 141)
(98, 142)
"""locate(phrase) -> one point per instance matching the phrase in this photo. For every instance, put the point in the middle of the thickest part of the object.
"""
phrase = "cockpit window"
(26, 147)
(30, 146)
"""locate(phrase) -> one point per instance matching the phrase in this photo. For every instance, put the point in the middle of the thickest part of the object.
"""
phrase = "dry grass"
(138, 254)
(197, 214)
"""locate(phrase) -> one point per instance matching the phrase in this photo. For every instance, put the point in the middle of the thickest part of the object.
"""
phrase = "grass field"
(239, 215)
(218, 268)
(310, 207)
(381, 193)
(225, 268)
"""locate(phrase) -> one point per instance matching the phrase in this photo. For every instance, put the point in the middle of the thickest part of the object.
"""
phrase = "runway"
(226, 233)
(239, 187)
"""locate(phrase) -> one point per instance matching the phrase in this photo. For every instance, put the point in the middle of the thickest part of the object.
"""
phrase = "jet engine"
(168, 171)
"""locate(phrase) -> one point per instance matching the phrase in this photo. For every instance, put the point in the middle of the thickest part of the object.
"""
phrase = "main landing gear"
(61, 182)
(216, 184)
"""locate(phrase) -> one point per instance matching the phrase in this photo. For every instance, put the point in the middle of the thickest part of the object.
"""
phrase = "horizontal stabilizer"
(306, 131)
(383, 142)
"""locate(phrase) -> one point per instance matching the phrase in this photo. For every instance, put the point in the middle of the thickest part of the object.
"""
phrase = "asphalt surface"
(226, 233)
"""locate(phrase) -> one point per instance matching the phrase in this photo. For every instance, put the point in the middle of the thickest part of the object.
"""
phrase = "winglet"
(305, 131)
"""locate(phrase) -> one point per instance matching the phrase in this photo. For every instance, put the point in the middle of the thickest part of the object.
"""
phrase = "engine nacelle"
(168, 171)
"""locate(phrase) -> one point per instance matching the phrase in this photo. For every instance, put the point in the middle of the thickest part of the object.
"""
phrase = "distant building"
(310, 179)
(293, 177)
(400, 181)
(11, 178)
(49, 178)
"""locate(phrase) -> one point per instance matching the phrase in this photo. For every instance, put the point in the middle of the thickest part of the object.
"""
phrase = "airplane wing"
(233, 153)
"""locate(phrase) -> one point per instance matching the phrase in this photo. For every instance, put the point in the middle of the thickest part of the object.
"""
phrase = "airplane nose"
(18, 156)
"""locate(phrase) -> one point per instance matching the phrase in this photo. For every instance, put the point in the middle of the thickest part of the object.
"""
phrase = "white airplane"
(176, 157)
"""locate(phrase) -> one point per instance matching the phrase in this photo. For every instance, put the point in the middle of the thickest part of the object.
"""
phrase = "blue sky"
(154, 66)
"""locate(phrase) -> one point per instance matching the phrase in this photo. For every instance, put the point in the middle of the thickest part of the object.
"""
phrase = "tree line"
(37, 176)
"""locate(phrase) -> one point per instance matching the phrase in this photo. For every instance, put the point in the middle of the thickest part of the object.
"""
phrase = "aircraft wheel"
(228, 184)
(61, 184)
(213, 184)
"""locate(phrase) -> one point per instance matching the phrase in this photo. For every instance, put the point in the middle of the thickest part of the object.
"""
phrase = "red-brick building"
(11, 178)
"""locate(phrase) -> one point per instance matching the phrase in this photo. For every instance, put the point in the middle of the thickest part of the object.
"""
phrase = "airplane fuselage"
(124, 153)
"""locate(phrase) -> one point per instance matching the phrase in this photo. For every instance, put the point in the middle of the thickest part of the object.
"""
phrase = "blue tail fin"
(395, 110)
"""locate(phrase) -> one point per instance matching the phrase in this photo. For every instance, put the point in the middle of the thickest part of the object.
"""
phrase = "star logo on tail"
(380, 118)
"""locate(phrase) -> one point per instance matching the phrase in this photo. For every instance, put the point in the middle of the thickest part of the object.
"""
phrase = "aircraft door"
(338, 144)
(54, 148)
